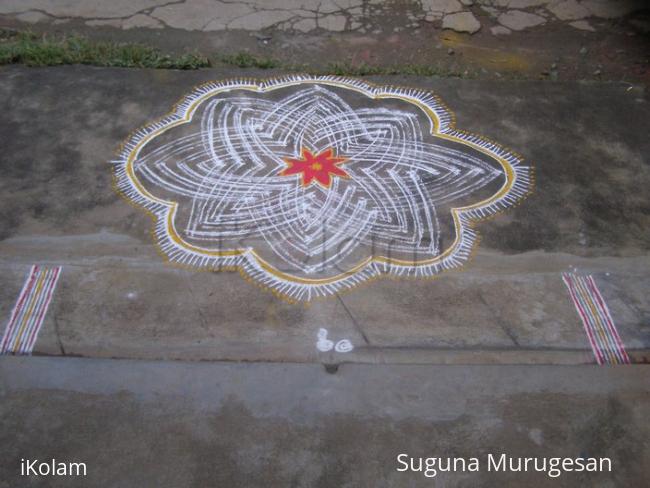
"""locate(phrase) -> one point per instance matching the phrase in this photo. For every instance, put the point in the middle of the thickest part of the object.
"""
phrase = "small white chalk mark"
(343, 346)
(323, 344)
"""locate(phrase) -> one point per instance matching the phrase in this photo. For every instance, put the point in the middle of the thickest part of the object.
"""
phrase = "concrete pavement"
(201, 379)
(177, 425)
(116, 297)
(327, 15)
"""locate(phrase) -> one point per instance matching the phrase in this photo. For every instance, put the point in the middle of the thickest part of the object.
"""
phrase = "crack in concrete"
(500, 320)
(204, 321)
(345, 17)
(58, 335)
(356, 324)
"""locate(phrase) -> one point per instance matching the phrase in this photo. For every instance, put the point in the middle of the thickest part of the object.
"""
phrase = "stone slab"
(117, 298)
(172, 424)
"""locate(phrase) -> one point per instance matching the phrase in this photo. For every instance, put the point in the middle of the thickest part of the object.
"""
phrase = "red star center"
(319, 167)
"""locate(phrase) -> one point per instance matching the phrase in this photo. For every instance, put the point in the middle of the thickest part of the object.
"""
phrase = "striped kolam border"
(518, 185)
(29, 311)
(605, 341)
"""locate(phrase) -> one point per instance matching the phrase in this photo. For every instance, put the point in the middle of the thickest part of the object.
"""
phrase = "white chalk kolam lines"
(310, 185)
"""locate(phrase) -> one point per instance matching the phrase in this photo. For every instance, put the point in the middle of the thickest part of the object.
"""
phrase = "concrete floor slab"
(176, 424)
(117, 298)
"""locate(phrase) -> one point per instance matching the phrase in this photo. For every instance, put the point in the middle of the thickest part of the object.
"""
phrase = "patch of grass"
(248, 60)
(40, 50)
(345, 69)
(27, 48)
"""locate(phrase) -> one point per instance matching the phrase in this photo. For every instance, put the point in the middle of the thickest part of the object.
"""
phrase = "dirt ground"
(610, 42)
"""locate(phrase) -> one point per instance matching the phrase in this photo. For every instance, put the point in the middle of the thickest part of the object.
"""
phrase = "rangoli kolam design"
(312, 185)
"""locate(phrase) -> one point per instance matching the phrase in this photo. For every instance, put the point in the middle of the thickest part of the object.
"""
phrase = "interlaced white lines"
(220, 182)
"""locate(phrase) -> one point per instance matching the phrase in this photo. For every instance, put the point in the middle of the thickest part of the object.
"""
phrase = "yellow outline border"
(273, 83)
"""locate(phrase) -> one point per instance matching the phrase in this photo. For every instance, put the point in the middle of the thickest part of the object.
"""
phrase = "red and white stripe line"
(29, 312)
(603, 336)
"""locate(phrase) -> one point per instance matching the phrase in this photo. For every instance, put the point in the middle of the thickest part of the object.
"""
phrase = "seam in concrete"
(353, 319)
(499, 318)
(58, 335)
(204, 321)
